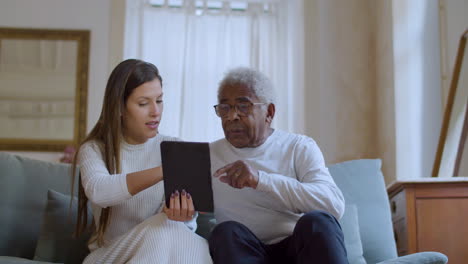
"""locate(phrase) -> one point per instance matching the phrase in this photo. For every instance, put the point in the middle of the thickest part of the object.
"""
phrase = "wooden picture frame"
(31, 109)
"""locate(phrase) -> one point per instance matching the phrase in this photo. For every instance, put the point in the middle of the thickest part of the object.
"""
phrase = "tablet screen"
(186, 165)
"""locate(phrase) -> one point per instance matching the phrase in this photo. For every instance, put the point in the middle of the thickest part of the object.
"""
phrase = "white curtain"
(193, 48)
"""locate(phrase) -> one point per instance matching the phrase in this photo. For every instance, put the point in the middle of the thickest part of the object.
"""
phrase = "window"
(194, 43)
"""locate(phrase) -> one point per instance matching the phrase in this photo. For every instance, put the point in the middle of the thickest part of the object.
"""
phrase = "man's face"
(250, 130)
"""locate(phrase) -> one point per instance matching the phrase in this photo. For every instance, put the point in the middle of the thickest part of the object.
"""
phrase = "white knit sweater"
(293, 180)
(104, 189)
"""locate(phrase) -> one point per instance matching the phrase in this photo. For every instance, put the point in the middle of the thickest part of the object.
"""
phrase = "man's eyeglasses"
(242, 109)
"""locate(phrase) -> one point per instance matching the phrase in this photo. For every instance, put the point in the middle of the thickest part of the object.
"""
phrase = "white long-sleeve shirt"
(104, 189)
(293, 180)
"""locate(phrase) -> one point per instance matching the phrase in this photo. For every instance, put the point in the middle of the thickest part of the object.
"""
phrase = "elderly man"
(275, 201)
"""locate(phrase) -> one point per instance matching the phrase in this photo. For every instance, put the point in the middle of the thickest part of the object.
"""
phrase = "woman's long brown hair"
(107, 133)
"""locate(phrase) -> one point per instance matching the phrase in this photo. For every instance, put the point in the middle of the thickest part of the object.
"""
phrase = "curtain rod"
(206, 6)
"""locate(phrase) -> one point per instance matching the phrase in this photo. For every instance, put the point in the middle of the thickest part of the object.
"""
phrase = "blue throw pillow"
(352, 238)
(362, 184)
(56, 242)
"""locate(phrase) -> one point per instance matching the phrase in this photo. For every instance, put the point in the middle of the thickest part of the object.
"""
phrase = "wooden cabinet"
(431, 216)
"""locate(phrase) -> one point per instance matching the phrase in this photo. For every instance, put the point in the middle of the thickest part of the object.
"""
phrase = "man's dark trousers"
(317, 238)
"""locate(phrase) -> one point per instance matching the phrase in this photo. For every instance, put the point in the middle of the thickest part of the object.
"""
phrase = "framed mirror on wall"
(43, 88)
(451, 151)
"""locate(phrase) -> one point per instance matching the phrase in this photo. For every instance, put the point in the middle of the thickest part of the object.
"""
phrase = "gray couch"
(36, 221)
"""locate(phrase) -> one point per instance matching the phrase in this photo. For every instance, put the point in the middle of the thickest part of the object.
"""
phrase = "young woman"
(121, 176)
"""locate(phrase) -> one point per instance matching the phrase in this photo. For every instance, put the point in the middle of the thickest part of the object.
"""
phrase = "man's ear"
(270, 113)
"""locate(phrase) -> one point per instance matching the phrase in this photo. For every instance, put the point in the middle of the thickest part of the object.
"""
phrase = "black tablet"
(186, 165)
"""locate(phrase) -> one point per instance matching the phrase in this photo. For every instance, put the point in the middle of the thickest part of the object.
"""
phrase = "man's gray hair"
(258, 82)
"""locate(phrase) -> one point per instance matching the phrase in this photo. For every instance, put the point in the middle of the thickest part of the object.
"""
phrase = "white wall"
(383, 34)
(339, 77)
(373, 82)
(68, 14)
(417, 82)
(408, 86)
(117, 32)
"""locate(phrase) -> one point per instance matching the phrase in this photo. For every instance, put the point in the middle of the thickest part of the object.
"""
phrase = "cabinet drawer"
(398, 206)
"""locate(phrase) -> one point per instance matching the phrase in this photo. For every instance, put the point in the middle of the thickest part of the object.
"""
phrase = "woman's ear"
(270, 113)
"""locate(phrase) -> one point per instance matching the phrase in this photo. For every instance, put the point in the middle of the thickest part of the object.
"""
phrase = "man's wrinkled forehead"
(238, 93)
(239, 99)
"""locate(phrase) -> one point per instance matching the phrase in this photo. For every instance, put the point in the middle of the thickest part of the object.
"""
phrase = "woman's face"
(142, 113)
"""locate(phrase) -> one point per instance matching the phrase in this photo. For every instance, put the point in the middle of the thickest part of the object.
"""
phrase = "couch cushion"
(15, 260)
(23, 198)
(419, 258)
(350, 226)
(56, 242)
(362, 183)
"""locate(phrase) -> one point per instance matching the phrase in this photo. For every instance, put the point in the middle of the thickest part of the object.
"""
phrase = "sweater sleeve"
(192, 224)
(101, 187)
(312, 188)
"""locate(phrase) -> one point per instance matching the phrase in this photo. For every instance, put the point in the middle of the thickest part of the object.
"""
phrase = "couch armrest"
(419, 258)
(16, 260)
